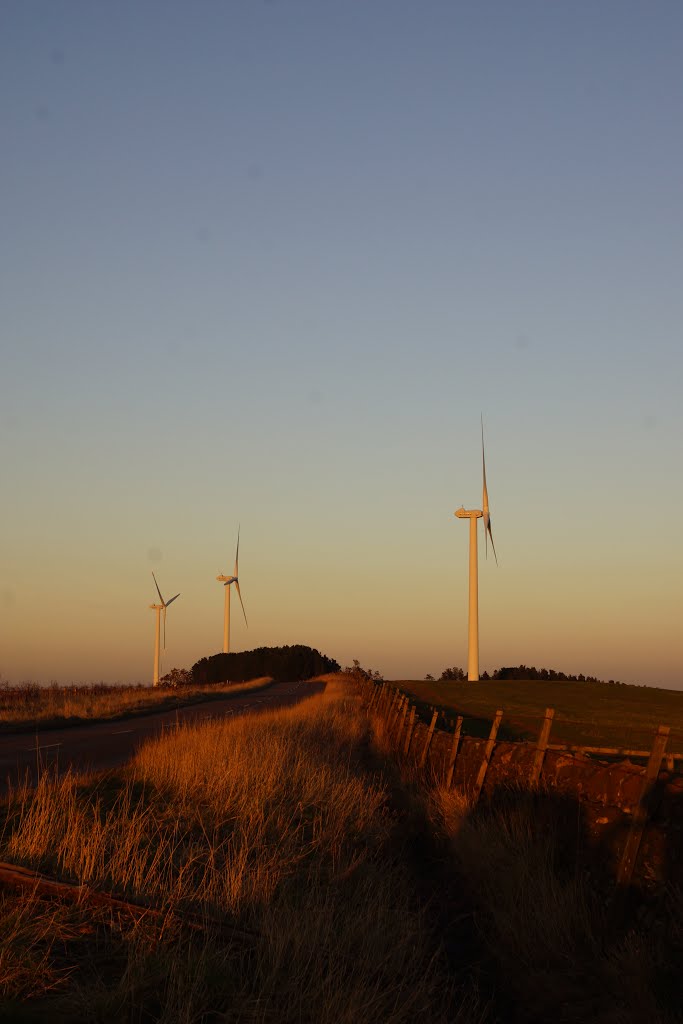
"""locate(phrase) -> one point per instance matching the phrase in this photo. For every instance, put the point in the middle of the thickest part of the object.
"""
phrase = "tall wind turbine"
(159, 608)
(473, 515)
(227, 582)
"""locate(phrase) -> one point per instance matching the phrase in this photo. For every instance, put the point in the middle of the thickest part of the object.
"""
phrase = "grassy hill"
(595, 714)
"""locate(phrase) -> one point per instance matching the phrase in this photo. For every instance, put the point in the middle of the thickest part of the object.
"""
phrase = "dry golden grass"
(359, 895)
(541, 917)
(27, 704)
(281, 825)
(549, 924)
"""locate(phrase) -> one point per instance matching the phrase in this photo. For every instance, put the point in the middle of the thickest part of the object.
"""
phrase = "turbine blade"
(237, 585)
(485, 497)
(172, 600)
(488, 535)
(237, 552)
(157, 586)
(488, 530)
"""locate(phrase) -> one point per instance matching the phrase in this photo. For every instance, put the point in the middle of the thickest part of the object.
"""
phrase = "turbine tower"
(227, 581)
(473, 515)
(159, 608)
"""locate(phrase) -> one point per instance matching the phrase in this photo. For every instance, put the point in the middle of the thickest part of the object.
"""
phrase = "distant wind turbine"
(227, 581)
(159, 608)
(473, 515)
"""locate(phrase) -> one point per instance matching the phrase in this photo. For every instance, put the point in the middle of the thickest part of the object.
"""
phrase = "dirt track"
(107, 744)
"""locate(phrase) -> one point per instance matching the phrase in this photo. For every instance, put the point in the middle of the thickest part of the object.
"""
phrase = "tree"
(453, 673)
(362, 674)
(279, 663)
(177, 678)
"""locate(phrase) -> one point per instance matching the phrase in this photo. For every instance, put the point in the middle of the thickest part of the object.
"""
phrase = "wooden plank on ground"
(18, 877)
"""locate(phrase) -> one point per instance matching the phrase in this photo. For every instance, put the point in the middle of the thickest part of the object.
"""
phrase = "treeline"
(280, 663)
(527, 672)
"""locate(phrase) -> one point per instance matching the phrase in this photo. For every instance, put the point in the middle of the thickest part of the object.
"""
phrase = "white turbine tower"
(227, 582)
(159, 608)
(473, 515)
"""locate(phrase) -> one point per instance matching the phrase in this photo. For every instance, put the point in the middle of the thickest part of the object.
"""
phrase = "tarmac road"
(108, 744)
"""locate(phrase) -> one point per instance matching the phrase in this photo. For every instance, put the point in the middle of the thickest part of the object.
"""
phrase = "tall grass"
(358, 894)
(560, 951)
(29, 703)
(283, 827)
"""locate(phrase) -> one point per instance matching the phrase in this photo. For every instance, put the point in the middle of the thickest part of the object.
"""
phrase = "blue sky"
(267, 263)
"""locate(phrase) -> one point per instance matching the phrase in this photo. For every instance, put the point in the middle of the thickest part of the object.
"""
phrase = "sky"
(265, 265)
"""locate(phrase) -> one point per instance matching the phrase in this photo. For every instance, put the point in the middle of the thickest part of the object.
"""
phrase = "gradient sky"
(267, 263)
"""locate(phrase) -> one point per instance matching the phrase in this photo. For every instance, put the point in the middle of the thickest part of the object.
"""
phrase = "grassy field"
(594, 714)
(29, 704)
(289, 838)
(325, 886)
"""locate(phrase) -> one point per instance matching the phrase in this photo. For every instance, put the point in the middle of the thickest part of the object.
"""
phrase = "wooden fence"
(415, 741)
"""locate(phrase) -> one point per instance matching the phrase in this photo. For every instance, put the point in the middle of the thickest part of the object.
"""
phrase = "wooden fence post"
(394, 710)
(640, 815)
(541, 747)
(404, 711)
(490, 744)
(409, 734)
(454, 752)
(428, 741)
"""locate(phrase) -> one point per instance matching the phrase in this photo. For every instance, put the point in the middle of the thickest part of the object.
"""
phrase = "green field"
(594, 714)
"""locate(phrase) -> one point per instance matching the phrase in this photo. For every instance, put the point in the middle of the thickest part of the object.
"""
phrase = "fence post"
(393, 710)
(640, 815)
(409, 734)
(380, 696)
(432, 725)
(404, 711)
(541, 747)
(490, 744)
(454, 752)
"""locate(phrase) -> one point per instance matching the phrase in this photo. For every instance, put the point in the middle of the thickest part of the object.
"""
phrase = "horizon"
(268, 264)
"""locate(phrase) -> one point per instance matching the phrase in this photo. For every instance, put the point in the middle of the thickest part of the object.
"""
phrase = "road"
(108, 744)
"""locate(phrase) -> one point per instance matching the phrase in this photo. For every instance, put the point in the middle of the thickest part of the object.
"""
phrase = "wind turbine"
(227, 581)
(473, 515)
(159, 608)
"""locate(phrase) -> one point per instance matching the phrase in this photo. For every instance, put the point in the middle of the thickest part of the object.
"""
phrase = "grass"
(291, 837)
(26, 705)
(594, 714)
(360, 894)
(558, 950)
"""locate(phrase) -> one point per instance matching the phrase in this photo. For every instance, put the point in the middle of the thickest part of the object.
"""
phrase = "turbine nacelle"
(468, 513)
